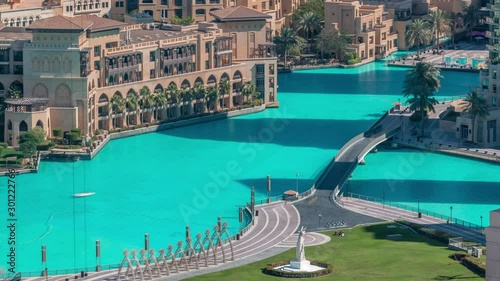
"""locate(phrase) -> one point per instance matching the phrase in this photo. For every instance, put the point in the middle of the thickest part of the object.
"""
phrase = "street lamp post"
(319, 217)
(383, 198)
(481, 222)
(451, 214)
(418, 207)
(297, 183)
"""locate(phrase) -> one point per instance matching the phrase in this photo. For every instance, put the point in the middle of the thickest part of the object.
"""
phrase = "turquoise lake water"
(160, 182)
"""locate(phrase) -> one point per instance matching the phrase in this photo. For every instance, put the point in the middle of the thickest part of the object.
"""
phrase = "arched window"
(39, 124)
(23, 126)
(9, 125)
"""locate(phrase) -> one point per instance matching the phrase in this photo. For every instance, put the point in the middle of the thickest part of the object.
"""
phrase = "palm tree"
(199, 93)
(248, 89)
(212, 95)
(187, 95)
(224, 89)
(309, 23)
(146, 101)
(159, 100)
(287, 38)
(440, 25)
(132, 103)
(455, 20)
(477, 106)
(471, 18)
(117, 106)
(419, 32)
(419, 86)
(173, 95)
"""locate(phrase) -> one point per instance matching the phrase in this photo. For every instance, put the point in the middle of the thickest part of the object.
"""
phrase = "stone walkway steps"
(391, 213)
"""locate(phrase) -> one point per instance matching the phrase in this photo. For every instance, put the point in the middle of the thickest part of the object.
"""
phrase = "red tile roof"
(239, 13)
(75, 23)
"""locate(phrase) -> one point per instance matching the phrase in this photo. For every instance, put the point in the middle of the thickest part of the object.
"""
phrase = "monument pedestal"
(303, 265)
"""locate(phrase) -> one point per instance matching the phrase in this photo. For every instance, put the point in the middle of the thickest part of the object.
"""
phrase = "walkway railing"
(414, 210)
(451, 147)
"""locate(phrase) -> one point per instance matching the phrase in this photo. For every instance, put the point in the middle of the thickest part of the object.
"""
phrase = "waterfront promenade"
(274, 226)
(389, 213)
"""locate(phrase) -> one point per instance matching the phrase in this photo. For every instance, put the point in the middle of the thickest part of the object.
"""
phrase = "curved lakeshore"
(147, 188)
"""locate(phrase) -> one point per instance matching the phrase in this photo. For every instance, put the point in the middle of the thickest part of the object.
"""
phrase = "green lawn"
(365, 254)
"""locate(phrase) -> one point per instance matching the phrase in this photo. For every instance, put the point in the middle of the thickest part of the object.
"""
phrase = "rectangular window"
(371, 40)
(97, 65)
(178, 2)
(121, 4)
(370, 25)
(152, 74)
(260, 83)
(97, 51)
(260, 69)
(164, 2)
(18, 69)
(207, 47)
(494, 74)
(371, 53)
(383, 36)
(117, 4)
(492, 130)
(18, 55)
(207, 64)
(152, 56)
(494, 88)
(4, 69)
(494, 101)
(364, 27)
(263, 5)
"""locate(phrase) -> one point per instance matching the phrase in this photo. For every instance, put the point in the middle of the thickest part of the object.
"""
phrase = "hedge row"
(428, 232)
(270, 270)
(472, 263)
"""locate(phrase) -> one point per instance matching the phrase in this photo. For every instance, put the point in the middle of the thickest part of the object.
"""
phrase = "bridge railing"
(414, 209)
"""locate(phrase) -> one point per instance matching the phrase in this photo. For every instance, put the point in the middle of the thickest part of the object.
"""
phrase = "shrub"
(46, 147)
(57, 132)
(472, 263)
(290, 274)
(353, 61)
(78, 131)
(3, 145)
(72, 137)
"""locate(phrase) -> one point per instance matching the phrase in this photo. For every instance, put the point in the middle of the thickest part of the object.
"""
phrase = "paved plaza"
(470, 51)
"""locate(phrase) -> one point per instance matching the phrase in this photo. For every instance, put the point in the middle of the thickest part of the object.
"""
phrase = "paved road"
(321, 203)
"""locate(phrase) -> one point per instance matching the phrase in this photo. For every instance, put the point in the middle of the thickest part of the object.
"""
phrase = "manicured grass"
(366, 254)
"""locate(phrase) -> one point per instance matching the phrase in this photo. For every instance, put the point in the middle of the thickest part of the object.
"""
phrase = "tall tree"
(419, 32)
(224, 89)
(212, 94)
(477, 106)
(471, 18)
(455, 21)
(287, 38)
(315, 6)
(131, 104)
(309, 23)
(159, 101)
(419, 87)
(440, 23)
(117, 106)
(333, 41)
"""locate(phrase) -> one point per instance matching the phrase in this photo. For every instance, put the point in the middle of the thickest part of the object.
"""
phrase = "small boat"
(85, 194)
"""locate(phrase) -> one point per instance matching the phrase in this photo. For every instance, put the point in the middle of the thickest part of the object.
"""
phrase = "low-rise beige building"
(74, 67)
(370, 26)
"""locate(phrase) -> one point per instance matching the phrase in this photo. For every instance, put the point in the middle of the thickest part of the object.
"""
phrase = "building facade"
(371, 28)
(77, 70)
(487, 131)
